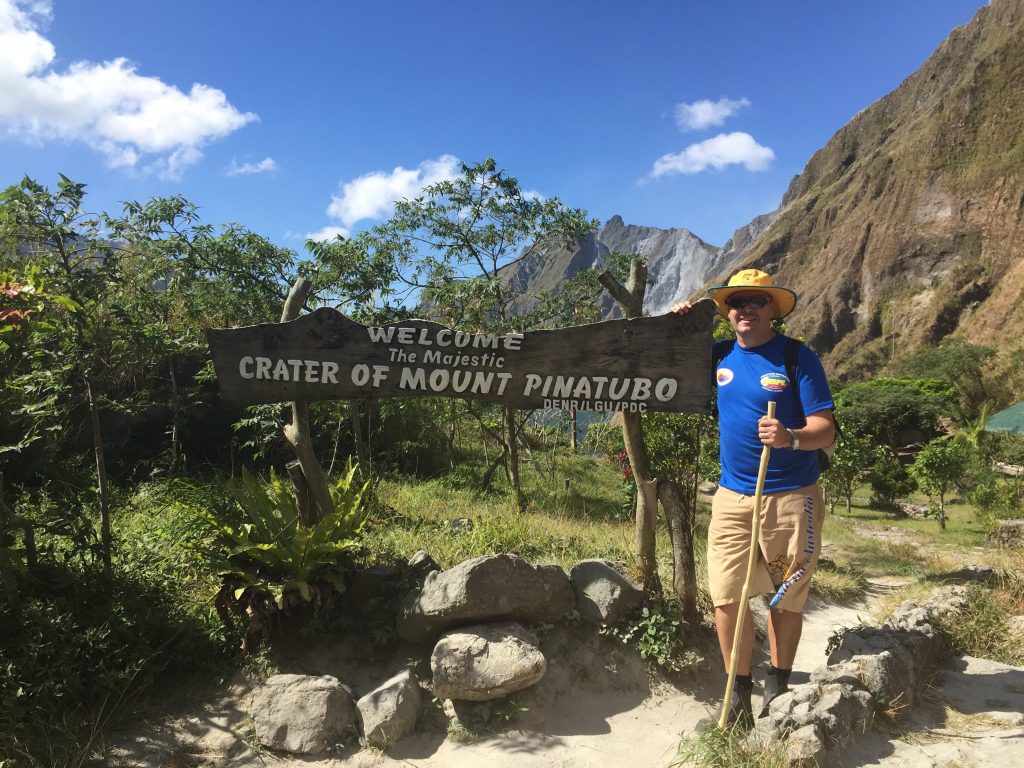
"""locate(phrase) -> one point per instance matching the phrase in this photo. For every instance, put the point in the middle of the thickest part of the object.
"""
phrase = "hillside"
(909, 220)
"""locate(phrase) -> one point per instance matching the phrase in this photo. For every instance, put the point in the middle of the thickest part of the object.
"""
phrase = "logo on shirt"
(774, 382)
(724, 376)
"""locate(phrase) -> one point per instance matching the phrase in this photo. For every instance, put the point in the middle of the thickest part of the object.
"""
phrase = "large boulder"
(486, 662)
(487, 588)
(1009, 534)
(389, 711)
(603, 594)
(302, 713)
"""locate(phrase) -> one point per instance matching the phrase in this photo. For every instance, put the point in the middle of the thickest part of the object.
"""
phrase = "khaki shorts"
(789, 543)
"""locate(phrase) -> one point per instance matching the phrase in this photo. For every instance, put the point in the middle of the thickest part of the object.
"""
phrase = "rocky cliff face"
(678, 262)
(907, 226)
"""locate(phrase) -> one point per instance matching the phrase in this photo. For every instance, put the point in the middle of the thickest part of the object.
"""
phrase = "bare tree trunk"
(8, 579)
(513, 454)
(312, 481)
(485, 482)
(572, 431)
(361, 445)
(176, 424)
(630, 299)
(646, 502)
(106, 538)
(679, 514)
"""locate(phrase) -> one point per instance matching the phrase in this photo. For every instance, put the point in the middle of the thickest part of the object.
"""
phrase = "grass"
(718, 748)
(453, 522)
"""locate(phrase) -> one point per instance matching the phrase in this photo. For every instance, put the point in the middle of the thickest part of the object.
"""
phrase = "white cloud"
(266, 165)
(373, 195)
(108, 106)
(717, 152)
(329, 233)
(707, 114)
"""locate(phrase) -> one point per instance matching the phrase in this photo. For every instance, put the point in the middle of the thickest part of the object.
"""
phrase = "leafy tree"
(938, 467)
(889, 479)
(455, 242)
(964, 366)
(891, 411)
(94, 348)
(851, 463)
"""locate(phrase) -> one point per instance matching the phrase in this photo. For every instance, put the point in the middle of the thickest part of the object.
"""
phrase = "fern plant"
(267, 559)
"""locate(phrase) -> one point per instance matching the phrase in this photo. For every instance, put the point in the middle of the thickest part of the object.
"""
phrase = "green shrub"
(658, 639)
(267, 559)
(889, 479)
(80, 649)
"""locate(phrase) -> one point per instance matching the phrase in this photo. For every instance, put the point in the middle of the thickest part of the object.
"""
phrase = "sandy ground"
(974, 716)
(598, 707)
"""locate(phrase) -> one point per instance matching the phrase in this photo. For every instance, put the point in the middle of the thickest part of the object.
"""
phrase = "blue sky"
(311, 116)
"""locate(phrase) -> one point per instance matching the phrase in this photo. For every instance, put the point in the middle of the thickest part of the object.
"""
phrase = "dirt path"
(611, 716)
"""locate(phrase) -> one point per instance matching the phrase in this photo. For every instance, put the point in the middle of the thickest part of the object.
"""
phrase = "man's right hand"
(681, 308)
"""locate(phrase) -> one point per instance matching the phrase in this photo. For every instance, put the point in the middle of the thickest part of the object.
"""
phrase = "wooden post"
(102, 489)
(680, 530)
(311, 482)
(573, 446)
(631, 301)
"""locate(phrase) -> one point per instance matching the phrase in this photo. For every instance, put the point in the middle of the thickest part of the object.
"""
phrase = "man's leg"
(729, 540)
(792, 559)
(784, 629)
(725, 623)
(741, 711)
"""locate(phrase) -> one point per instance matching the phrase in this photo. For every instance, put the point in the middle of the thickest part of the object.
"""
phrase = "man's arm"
(819, 431)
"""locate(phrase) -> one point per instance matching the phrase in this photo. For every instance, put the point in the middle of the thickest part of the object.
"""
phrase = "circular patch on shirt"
(724, 376)
(774, 382)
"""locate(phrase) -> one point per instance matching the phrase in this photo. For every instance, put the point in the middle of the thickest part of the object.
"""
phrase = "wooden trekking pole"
(741, 614)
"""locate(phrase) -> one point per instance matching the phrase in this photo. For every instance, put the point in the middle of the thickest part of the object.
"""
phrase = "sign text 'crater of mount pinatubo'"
(647, 364)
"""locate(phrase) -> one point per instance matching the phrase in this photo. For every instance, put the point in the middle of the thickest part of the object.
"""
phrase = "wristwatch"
(796, 440)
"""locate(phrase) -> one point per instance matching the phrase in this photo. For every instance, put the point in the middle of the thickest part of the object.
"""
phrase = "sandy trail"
(602, 711)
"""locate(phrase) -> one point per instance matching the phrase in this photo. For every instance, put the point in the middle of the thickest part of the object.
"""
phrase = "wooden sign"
(647, 364)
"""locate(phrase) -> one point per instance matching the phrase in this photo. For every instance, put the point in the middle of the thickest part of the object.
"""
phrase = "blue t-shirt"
(747, 379)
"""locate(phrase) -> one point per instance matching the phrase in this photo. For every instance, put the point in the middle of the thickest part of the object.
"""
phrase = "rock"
(836, 711)
(301, 713)
(1009, 534)
(422, 564)
(886, 667)
(972, 573)
(485, 588)
(389, 711)
(603, 595)
(486, 662)
(846, 672)
(842, 712)
(923, 617)
(804, 747)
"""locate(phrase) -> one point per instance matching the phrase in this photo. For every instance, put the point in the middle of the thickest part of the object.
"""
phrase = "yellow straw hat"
(783, 299)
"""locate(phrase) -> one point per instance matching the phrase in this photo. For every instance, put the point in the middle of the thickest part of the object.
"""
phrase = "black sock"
(746, 682)
(781, 675)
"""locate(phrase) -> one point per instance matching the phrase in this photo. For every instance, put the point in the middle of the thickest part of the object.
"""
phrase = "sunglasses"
(754, 302)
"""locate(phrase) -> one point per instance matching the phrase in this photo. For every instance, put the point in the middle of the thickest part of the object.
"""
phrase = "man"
(751, 372)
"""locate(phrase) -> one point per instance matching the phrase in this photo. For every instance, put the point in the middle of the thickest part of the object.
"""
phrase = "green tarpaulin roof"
(1009, 420)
